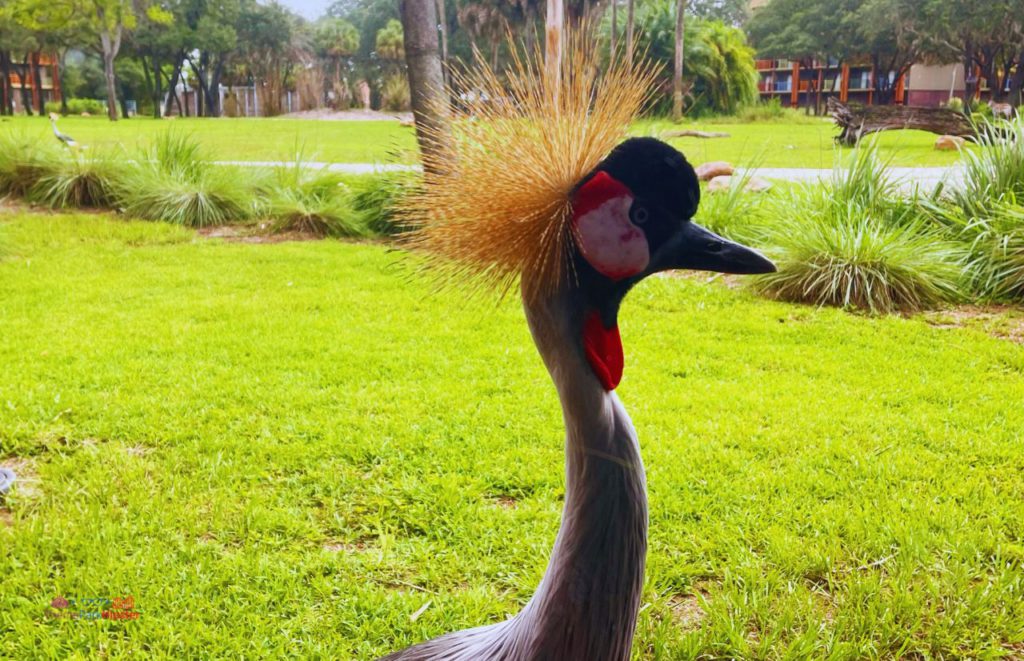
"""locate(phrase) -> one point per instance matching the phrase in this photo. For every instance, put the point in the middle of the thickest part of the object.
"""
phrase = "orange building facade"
(41, 79)
(798, 85)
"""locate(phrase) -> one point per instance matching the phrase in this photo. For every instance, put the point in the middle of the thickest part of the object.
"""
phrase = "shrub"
(212, 197)
(24, 160)
(987, 213)
(321, 212)
(375, 198)
(394, 93)
(80, 181)
(734, 213)
(173, 181)
(854, 243)
(78, 106)
(301, 199)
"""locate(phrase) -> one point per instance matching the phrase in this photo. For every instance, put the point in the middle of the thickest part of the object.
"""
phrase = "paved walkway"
(906, 177)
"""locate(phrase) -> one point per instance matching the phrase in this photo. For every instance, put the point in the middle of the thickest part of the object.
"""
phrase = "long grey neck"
(586, 606)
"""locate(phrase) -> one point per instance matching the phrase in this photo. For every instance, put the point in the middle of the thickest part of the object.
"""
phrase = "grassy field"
(291, 449)
(782, 144)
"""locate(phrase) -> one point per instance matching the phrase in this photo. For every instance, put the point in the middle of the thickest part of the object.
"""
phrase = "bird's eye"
(639, 214)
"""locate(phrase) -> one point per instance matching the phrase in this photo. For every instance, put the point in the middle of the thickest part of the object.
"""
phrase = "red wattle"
(603, 348)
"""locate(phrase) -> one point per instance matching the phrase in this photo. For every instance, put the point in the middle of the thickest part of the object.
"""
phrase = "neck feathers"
(587, 603)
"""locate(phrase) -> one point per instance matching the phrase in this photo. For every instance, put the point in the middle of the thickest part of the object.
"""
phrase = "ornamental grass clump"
(735, 212)
(298, 198)
(987, 213)
(173, 181)
(81, 181)
(24, 161)
(376, 199)
(854, 243)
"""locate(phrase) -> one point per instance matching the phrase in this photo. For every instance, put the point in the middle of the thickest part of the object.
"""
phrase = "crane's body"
(586, 605)
(65, 139)
(545, 189)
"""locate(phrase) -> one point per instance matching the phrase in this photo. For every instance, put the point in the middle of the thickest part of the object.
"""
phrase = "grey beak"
(694, 247)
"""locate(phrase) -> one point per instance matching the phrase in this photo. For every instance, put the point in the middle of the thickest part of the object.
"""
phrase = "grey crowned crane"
(544, 191)
(65, 139)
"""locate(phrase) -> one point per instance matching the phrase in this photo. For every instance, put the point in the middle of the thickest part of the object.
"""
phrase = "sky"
(311, 9)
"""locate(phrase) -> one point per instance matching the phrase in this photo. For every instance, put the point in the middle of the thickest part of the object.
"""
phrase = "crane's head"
(54, 117)
(631, 217)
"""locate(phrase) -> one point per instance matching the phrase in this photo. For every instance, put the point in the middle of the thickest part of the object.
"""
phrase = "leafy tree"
(109, 20)
(271, 42)
(335, 39)
(389, 41)
(718, 64)
(15, 37)
(730, 12)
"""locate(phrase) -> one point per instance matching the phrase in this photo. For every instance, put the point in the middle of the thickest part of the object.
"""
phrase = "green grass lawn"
(288, 450)
(782, 144)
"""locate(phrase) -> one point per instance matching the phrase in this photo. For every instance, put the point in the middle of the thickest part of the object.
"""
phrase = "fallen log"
(858, 121)
(689, 133)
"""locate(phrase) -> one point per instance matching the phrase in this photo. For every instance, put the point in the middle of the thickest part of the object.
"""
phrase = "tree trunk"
(218, 71)
(970, 80)
(677, 72)
(554, 26)
(60, 77)
(6, 93)
(37, 84)
(1017, 82)
(615, 26)
(629, 30)
(158, 92)
(111, 44)
(26, 98)
(817, 89)
(426, 79)
(442, 15)
(172, 89)
(858, 122)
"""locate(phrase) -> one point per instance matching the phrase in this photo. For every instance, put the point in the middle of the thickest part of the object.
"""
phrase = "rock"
(712, 169)
(758, 185)
(753, 185)
(949, 143)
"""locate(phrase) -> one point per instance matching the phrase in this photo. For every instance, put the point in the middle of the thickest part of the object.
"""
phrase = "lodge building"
(37, 82)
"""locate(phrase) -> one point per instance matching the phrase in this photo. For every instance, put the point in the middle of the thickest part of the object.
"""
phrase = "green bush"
(987, 213)
(734, 213)
(314, 201)
(375, 198)
(80, 181)
(24, 161)
(394, 93)
(856, 243)
(173, 181)
(79, 106)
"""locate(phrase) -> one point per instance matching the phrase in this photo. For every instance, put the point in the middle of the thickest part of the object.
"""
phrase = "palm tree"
(677, 71)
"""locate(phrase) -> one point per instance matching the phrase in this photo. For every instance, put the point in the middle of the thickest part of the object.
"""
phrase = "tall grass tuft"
(175, 182)
(735, 212)
(854, 243)
(24, 160)
(987, 213)
(376, 199)
(301, 199)
(81, 181)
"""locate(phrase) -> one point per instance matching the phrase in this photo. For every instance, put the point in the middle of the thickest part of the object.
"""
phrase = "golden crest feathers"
(494, 204)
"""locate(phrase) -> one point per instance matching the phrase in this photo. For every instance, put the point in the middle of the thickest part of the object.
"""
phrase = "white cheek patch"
(610, 242)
